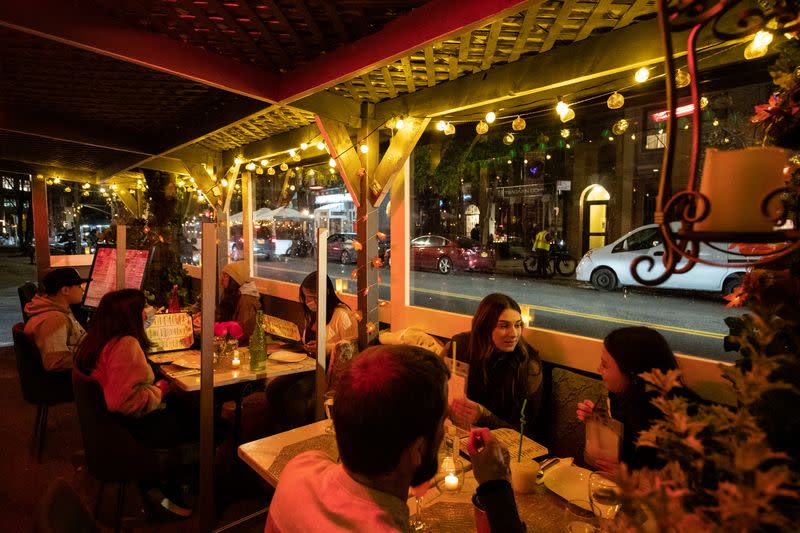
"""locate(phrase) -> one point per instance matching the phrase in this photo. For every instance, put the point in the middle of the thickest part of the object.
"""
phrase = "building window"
(8, 183)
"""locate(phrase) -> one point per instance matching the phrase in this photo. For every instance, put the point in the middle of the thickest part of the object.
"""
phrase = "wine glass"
(328, 406)
(418, 523)
(604, 496)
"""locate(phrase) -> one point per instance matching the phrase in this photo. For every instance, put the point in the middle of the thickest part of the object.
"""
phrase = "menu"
(281, 328)
(103, 276)
(170, 331)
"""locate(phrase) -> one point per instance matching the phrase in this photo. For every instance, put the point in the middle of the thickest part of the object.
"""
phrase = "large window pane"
(477, 202)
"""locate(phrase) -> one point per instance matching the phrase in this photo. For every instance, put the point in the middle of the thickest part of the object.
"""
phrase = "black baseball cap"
(57, 278)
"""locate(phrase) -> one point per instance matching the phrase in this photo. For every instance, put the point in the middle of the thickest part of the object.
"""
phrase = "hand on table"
(163, 386)
(464, 413)
(489, 458)
(585, 410)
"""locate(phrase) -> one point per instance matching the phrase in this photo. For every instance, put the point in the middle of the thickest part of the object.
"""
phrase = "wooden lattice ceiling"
(271, 122)
(276, 34)
(533, 31)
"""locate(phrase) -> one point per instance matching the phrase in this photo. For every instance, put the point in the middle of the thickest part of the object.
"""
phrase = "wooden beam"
(557, 26)
(524, 32)
(387, 76)
(366, 229)
(491, 44)
(433, 22)
(129, 201)
(400, 148)
(597, 16)
(636, 9)
(279, 144)
(47, 171)
(581, 63)
(209, 188)
(409, 74)
(231, 175)
(430, 70)
(57, 21)
(344, 153)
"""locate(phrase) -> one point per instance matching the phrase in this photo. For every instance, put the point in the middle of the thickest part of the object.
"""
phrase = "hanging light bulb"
(400, 123)
(682, 78)
(620, 126)
(758, 46)
(332, 162)
(284, 167)
(264, 162)
(569, 115)
(642, 75)
(86, 193)
(320, 146)
(48, 182)
(715, 123)
(615, 101)
(518, 124)
(482, 127)
(86, 185)
(633, 136)
(703, 102)
(271, 171)
(304, 146)
(490, 117)
(364, 148)
(568, 146)
(57, 180)
(562, 108)
(332, 171)
(450, 130)
(259, 171)
(565, 132)
(224, 182)
(391, 123)
(508, 139)
(238, 160)
(67, 189)
(441, 125)
(250, 166)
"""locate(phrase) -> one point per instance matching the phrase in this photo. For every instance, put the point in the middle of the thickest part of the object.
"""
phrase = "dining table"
(443, 511)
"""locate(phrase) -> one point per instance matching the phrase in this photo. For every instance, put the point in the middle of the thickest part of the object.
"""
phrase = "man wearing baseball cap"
(52, 326)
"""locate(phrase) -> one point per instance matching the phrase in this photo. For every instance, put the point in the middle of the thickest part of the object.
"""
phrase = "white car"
(609, 267)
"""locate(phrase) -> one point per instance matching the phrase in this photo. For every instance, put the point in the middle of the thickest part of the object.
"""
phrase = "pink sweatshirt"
(127, 379)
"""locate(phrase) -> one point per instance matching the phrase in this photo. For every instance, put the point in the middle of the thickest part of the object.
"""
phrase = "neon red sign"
(681, 111)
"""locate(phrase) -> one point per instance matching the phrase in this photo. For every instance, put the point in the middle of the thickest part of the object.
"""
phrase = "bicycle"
(558, 260)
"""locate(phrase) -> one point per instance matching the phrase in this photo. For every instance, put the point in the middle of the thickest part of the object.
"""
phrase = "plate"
(283, 356)
(570, 482)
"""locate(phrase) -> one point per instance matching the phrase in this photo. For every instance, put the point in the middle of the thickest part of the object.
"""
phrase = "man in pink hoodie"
(52, 325)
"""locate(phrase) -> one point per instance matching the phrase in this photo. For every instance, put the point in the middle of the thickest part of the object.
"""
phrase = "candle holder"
(451, 474)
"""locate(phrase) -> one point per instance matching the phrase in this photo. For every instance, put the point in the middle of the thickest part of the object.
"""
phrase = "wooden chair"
(113, 455)
(39, 387)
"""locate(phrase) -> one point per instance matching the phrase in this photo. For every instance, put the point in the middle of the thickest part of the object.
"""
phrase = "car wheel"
(731, 284)
(445, 265)
(604, 279)
(345, 257)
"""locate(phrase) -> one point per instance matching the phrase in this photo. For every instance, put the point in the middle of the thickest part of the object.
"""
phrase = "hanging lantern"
(67, 189)
(518, 124)
(296, 157)
(271, 171)
(259, 171)
(450, 130)
(703, 102)
(569, 115)
(620, 126)
(250, 166)
(284, 167)
(508, 139)
(615, 101)
(682, 78)
(482, 127)
(565, 132)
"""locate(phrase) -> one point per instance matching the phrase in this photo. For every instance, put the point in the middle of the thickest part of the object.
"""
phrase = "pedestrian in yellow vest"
(541, 246)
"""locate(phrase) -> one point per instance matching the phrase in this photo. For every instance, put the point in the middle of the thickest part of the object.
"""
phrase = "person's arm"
(51, 337)
(491, 471)
(128, 386)
(342, 327)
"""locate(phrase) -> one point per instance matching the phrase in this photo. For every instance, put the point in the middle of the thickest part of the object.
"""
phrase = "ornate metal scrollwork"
(688, 206)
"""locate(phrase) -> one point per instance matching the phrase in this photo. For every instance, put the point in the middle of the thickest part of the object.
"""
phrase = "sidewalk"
(16, 271)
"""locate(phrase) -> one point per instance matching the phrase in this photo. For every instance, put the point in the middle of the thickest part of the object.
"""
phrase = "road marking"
(556, 310)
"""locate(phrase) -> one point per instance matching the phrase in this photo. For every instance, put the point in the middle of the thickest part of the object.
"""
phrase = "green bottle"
(258, 345)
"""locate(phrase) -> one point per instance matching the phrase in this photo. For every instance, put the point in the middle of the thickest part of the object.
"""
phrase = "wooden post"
(400, 272)
(122, 245)
(41, 229)
(366, 228)
(208, 282)
(321, 383)
(247, 218)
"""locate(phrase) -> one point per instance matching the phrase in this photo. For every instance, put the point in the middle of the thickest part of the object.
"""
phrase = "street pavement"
(16, 270)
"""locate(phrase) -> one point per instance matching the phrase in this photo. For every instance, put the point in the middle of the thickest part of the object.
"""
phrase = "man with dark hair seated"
(389, 411)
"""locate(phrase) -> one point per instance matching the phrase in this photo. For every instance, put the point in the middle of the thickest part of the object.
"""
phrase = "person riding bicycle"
(541, 247)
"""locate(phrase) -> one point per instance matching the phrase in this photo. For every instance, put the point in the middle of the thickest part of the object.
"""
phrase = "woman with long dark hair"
(627, 353)
(504, 370)
(240, 300)
(339, 318)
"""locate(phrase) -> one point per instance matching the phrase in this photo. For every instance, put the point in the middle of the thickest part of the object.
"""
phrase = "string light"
(441, 125)
(224, 182)
(264, 162)
(569, 115)
(304, 146)
(682, 78)
(758, 46)
(271, 171)
(615, 101)
(562, 108)
(238, 160)
(490, 117)
(642, 75)
(67, 189)
(715, 123)
(450, 130)
(284, 167)
(565, 133)
(518, 124)
(703, 102)
(292, 153)
(508, 139)
(57, 180)
(86, 185)
(620, 126)
(482, 127)
(320, 145)
(250, 166)
(331, 162)
(400, 124)
(364, 148)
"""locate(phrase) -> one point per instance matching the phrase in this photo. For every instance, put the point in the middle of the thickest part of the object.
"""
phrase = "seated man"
(389, 411)
(52, 325)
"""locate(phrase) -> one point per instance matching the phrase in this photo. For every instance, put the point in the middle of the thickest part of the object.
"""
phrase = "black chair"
(39, 387)
(113, 455)
(26, 292)
(62, 511)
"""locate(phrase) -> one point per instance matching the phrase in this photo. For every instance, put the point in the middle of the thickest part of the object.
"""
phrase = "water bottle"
(258, 346)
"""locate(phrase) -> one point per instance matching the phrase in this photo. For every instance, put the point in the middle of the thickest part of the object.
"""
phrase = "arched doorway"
(472, 216)
(595, 209)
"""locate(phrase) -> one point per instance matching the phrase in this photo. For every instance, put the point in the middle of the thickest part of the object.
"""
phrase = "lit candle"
(451, 481)
(236, 361)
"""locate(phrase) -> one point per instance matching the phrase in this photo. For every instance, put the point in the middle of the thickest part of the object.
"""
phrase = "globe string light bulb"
(441, 125)
(518, 124)
(490, 117)
(332, 162)
(703, 102)
(758, 46)
(615, 101)
(320, 146)
(250, 166)
(620, 126)
(264, 162)
(508, 139)
(569, 115)
(284, 167)
(642, 75)
(364, 148)
(304, 146)
(271, 171)
(400, 124)
(682, 78)
(481, 128)
(562, 108)
(292, 153)
(565, 133)
(450, 129)
(238, 160)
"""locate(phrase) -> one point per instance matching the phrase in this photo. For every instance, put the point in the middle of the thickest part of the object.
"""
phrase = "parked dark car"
(340, 248)
(434, 252)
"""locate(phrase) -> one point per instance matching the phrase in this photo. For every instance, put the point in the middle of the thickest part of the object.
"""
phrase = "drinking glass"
(579, 518)
(328, 405)
(417, 521)
(604, 496)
